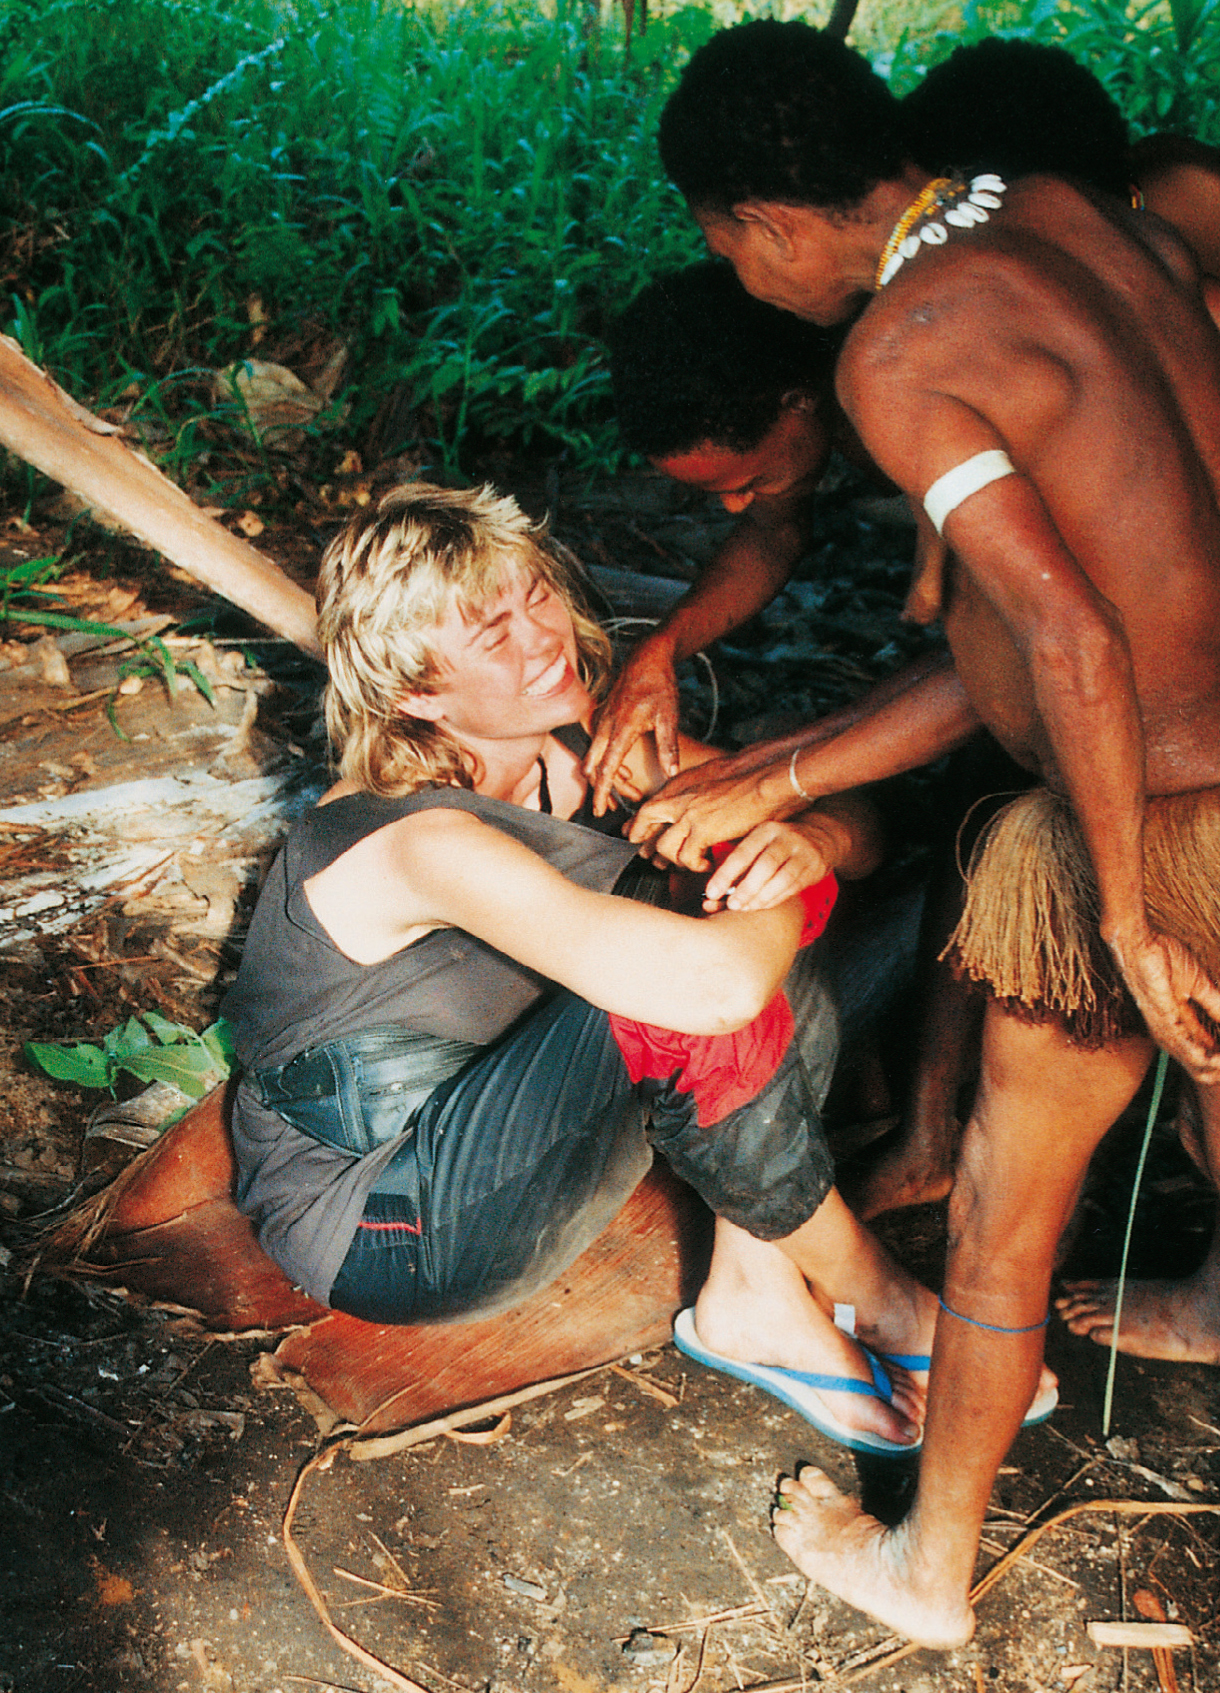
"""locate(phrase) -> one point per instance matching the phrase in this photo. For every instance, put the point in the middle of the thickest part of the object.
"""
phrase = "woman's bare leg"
(757, 1307)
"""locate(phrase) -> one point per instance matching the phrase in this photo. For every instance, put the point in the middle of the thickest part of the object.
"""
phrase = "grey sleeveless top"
(295, 989)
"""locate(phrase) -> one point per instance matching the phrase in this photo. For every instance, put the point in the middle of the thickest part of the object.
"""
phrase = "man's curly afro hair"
(694, 358)
(1019, 108)
(781, 112)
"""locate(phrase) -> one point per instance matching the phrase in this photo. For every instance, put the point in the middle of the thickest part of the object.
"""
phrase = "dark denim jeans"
(512, 1167)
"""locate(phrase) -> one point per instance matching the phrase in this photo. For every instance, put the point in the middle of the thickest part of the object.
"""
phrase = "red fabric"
(723, 1072)
(819, 900)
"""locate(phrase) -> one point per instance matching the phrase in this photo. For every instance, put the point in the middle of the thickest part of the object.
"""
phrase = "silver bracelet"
(793, 778)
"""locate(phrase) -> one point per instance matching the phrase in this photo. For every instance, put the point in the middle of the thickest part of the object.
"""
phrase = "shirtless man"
(1025, 106)
(1047, 382)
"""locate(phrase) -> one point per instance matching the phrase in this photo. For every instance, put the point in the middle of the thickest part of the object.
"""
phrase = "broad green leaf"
(165, 1031)
(130, 1036)
(75, 1061)
(219, 1041)
(187, 1067)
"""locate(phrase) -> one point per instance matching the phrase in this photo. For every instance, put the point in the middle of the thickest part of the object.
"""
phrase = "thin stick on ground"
(378, 1448)
(353, 1648)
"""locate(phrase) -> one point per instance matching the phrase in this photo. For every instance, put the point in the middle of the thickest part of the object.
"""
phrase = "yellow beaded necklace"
(952, 199)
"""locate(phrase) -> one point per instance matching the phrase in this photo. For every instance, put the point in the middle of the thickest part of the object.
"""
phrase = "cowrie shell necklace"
(946, 201)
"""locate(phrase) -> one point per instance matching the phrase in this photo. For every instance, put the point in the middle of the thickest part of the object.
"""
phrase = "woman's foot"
(833, 1542)
(1175, 1320)
(755, 1308)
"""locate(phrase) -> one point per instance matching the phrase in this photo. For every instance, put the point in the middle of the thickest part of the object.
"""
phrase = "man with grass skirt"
(1036, 368)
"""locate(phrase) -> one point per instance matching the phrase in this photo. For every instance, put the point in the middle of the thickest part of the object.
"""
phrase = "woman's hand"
(774, 862)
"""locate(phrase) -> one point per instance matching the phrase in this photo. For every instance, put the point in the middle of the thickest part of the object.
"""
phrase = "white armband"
(956, 485)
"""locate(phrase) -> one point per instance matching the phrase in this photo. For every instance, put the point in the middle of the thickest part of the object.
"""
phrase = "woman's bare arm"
(445, 868)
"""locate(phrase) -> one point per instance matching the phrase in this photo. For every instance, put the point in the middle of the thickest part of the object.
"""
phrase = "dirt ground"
(615, 1536)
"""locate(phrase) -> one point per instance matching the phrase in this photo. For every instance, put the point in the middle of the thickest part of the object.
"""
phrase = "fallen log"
(43, 425)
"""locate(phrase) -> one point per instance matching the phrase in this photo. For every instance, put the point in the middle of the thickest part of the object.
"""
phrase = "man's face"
(786, 462)
(792, 257)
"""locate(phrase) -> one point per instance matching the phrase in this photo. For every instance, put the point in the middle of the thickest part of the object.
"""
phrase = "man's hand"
(719, 801)
(774, 862)
(1170, 987)
(643, 699)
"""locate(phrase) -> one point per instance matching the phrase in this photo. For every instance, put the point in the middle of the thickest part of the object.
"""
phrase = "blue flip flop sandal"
(800, 1391)
(1044, 1402)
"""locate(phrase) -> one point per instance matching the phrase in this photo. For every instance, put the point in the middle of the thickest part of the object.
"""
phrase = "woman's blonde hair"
(386, 582)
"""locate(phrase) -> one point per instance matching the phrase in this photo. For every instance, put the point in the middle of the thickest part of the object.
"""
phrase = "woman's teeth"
(550, 678)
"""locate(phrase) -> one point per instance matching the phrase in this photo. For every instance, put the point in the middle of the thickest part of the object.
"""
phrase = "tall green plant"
(463, 195)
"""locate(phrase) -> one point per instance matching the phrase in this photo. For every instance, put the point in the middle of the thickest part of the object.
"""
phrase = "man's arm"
(745, 575)
(1079, 663)
(906, 721)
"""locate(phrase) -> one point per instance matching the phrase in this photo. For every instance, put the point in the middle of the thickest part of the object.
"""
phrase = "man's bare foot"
(831, 1541)
(1175, 1320)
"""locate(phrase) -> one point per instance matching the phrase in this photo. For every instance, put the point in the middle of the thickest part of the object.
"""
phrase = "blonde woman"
(461, 1046)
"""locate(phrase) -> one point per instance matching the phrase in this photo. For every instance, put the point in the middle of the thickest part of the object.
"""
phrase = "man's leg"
(1043, 1105)
(1176, 1320)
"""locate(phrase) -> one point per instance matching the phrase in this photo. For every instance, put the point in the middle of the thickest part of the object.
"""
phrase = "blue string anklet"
(992, 1328)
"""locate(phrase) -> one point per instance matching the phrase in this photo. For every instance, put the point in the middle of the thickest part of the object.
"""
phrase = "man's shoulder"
(946, 310)
(902, 333)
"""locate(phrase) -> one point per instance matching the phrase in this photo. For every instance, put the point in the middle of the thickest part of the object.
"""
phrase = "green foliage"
(149, 1047)
(1159, 59)
(462, 195)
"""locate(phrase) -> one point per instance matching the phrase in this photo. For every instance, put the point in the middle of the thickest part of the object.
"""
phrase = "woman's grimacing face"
(509, 669)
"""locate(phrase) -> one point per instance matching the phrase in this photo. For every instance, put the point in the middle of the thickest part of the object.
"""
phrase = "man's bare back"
(1015, 331)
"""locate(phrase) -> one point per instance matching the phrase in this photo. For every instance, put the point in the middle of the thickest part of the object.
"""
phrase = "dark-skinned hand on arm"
(906, 721)
(745, 575)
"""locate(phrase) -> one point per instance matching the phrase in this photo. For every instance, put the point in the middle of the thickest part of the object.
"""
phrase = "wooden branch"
(1143, 1636)
(45, 427)
(842, 16)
